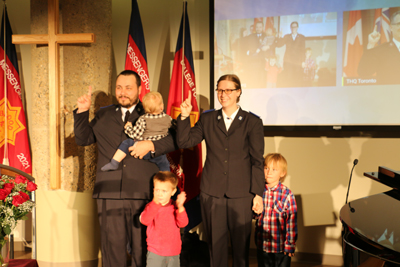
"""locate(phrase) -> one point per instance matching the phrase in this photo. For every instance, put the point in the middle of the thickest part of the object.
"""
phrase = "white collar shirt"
(397, 43)
(228, 120)
(123, 111)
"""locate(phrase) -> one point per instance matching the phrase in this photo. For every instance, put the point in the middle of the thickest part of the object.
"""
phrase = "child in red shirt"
(272, 71)
(163, 218)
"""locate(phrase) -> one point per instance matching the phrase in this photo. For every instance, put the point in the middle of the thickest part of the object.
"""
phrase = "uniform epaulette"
(107, 106)
(254, 114)
(209, 110)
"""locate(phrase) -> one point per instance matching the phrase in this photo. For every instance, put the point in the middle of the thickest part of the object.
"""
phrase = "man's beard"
(129, 104)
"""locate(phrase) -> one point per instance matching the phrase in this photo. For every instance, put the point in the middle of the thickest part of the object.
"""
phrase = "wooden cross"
(54, 39)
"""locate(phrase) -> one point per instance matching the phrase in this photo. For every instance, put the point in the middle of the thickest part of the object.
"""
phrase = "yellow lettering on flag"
(14, 126)
(194, 115)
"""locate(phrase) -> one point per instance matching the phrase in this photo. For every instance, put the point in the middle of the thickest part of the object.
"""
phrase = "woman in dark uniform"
(233, 178)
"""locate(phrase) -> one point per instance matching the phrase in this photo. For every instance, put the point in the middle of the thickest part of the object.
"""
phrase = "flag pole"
(183, 66)
(183, 47)
(5, 157)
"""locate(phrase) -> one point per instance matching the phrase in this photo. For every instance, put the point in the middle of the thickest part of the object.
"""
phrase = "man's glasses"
(226, 91)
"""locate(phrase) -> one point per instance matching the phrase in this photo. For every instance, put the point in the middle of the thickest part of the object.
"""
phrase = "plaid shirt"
(136, 132)
(276, 227)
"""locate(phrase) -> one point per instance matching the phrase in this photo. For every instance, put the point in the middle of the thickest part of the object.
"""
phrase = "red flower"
(8, 187)
(18, 200)
(20, 179)
(31, 186)
(24, 195)
(3, 194)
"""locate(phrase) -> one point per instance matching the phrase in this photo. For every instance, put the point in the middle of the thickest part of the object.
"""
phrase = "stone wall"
(81, 65)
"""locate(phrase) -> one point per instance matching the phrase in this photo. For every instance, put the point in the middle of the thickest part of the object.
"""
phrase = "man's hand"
(141, 148)
(373, 38)
(257, 204)
(85, 101)
(186, 106)
(180, 200)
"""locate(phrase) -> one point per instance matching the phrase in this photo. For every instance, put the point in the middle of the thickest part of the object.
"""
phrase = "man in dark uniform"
(295, 42)
(383, 61)
(121, 194)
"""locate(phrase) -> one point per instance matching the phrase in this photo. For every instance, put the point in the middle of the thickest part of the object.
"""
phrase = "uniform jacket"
(133, 178)
(295, 49)
(234, 163)
(381, 62)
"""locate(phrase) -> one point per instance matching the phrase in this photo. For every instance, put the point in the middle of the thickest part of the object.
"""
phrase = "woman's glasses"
(226, 91)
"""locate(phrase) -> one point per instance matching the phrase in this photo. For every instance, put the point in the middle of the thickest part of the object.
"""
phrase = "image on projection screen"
(371, 46)
(312, 62)
(264, 53)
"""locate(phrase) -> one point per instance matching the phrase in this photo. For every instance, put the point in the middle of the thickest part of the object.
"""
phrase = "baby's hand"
(180, 200)
(128, 124)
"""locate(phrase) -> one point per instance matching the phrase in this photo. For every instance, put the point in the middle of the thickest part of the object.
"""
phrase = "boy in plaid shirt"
(276, 227)
(152, 126)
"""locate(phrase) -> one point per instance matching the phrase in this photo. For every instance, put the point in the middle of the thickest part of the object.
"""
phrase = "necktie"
(127, 113)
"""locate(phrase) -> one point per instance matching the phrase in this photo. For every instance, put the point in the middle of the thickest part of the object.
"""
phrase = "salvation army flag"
(136, 58)
(382, 23)
(186, 163)
(353, 47)
(14, 145)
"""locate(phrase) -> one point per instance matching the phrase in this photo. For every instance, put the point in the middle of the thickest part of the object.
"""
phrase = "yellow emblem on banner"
(194, 115)
(14, 126)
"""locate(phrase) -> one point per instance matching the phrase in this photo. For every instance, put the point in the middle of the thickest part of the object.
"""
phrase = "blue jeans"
(161, 161)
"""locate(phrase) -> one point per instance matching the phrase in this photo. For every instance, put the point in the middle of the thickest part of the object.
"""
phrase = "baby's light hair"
(166, 176)
(277, 158)
(152, 102)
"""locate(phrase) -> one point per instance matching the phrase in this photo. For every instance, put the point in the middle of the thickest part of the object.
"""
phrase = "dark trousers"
(224, 217)
(161, 161)
(119, 226)
(265, 259)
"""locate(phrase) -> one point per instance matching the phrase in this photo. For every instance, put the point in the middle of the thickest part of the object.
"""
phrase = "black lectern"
(372, 224)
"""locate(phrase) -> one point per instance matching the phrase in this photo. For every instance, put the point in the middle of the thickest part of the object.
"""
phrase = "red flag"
(189, 159)
(136, 58)
(16, 149)
(354, 49)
